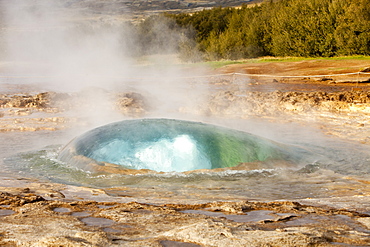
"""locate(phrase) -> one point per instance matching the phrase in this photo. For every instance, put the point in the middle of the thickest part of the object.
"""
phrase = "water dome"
(167, 145)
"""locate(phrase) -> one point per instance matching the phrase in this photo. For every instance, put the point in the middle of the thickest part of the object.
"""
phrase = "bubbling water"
(168, 145)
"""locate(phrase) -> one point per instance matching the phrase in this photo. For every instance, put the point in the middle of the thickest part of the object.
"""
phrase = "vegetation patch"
(279, 28)
(222, 63)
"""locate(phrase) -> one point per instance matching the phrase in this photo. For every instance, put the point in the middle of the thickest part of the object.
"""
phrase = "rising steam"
(55, 42)
(69, 50)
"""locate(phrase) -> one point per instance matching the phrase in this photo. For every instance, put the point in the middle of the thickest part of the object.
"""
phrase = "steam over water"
(166, 145)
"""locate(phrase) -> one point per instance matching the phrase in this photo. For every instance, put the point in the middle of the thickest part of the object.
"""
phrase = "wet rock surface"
(91, 223)
(55, 111)
(344, 114)
(132, 104)
(274, 103)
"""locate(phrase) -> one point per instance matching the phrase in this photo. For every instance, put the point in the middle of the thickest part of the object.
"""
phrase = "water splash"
(167, 145)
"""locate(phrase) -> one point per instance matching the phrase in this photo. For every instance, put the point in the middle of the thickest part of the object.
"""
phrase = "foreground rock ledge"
(27, 219)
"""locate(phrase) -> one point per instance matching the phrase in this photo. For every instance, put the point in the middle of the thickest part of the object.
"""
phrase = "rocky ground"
(343, 113)
(47, 111)
(33, 213)
(90, 223)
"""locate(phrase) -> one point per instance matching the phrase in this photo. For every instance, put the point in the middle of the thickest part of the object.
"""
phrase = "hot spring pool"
(203, 162)
(168, 145)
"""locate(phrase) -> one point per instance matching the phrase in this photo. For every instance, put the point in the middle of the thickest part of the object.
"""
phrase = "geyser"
(167, 145)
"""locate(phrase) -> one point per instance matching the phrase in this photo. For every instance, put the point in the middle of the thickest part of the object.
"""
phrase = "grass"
(219, 64)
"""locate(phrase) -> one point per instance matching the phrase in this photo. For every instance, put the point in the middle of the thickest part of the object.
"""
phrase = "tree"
(309, 28)
(353, 32)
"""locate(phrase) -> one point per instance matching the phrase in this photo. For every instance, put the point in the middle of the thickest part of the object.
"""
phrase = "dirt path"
(301, 68)
(315, 72)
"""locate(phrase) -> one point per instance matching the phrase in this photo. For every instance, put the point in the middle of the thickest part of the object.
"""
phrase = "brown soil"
(327, 72)
(301, 68)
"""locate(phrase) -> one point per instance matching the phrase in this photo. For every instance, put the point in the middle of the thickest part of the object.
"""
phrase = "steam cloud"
(74, 51)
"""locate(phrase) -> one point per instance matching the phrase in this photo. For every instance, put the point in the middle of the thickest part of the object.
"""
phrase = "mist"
(68, 50)
(99, 55)
(44, 38)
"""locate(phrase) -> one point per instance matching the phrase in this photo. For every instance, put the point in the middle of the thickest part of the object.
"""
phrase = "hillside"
(135, 6)
(132, 10)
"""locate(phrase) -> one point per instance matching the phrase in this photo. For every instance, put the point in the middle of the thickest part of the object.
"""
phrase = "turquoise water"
(304, 164)
(168, 145)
